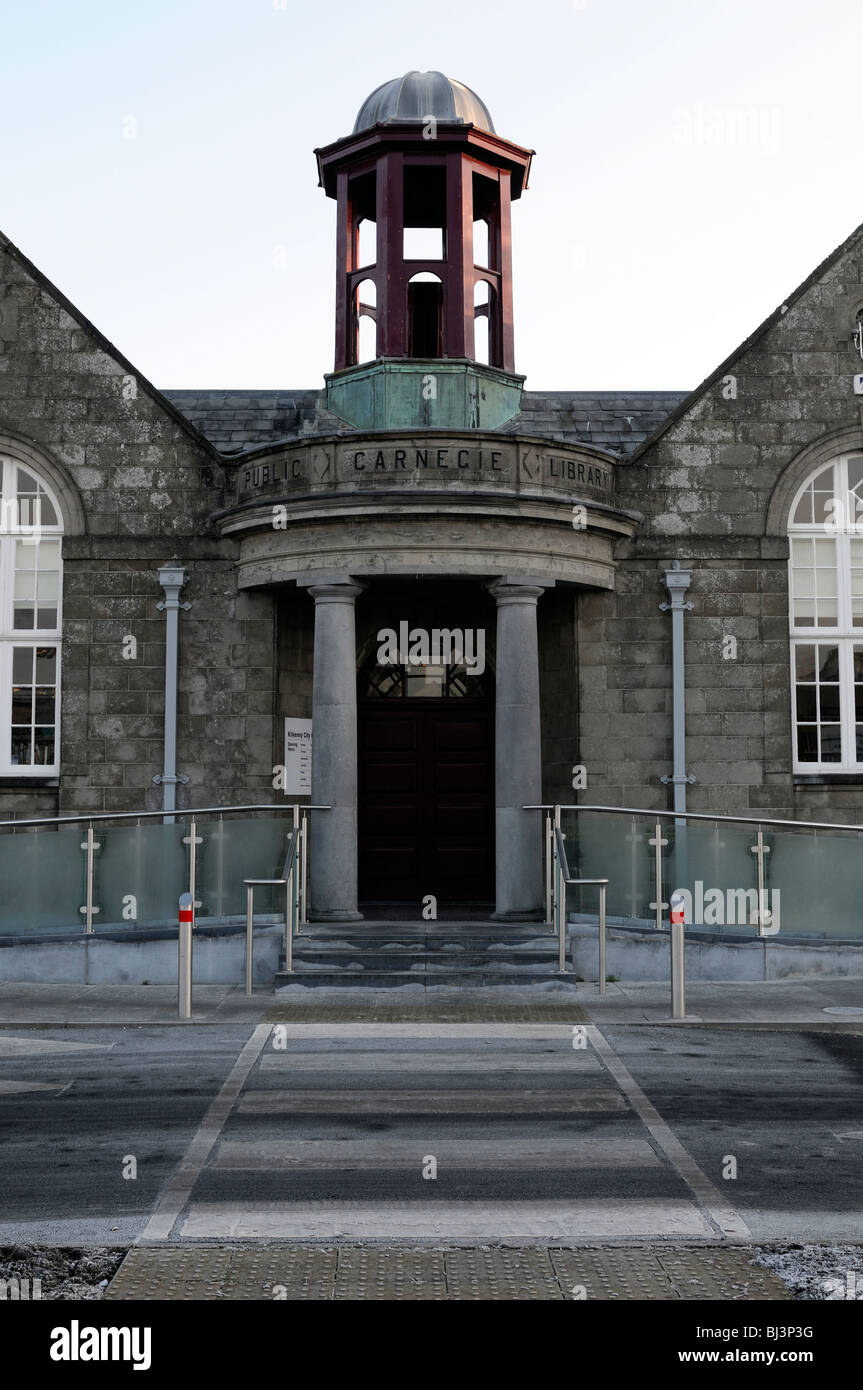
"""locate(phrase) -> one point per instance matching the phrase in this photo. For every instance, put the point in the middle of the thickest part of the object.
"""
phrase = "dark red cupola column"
(424, 245)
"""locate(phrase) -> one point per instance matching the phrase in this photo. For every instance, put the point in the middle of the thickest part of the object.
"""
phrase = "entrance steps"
(387, 955)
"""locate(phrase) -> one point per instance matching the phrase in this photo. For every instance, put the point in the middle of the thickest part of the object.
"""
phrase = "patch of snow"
(817, 1272)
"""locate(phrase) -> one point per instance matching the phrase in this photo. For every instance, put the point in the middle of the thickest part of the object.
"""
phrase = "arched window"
(425, 315)
(367, 321)
(30, 588)
(826, 610)
(482, 322)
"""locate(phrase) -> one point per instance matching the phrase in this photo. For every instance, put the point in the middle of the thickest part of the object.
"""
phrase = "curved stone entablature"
(442, 505)
(464, 463)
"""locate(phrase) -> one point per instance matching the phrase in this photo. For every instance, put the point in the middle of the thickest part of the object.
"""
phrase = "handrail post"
(289, 917)
(193, 839)
(549, 869)
(298, 821)
(304, 830)
(658, 843)
(562, 938)
(759, 849)
(559, 890)
(295, 889)
(88, 909)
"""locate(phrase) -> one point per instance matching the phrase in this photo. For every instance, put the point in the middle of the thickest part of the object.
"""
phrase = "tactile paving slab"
(437, 1012)
(460, 1274)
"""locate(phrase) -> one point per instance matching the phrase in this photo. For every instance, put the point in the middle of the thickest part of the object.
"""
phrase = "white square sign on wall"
(298, 757)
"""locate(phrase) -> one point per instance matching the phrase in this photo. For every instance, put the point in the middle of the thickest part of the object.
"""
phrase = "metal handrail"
(145, 815)
(289, 879)
(701, 815)
(566, 879)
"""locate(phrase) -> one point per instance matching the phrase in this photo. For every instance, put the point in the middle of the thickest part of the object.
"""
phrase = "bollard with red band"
(676, 906)
(184, 956)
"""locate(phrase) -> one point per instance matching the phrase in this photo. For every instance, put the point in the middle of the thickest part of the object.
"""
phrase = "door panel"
(426, 800)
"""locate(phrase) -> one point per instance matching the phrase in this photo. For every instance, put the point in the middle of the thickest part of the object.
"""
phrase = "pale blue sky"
(694, 162)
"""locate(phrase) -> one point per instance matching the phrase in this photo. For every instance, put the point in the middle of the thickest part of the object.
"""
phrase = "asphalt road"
(429, 1131)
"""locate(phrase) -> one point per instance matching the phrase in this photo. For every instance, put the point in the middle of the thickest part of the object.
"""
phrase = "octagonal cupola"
(424, 187)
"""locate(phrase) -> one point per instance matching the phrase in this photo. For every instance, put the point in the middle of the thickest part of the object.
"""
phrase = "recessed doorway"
(426, 785)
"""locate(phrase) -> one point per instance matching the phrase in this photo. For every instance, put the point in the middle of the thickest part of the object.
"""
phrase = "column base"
(529, 915)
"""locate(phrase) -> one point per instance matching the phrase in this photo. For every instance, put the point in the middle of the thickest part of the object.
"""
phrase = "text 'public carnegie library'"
(477, 462)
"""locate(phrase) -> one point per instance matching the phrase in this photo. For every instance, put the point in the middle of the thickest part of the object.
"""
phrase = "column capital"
(506, 591)
(335, 593)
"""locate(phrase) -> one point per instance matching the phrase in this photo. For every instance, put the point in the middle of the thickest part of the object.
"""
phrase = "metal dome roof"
(418, 95)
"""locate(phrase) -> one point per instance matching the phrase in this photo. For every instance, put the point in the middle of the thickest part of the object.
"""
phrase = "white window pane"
(804, 583)
(25, 585)
(804, 613)
(47, 585)
(801, 552)
(49, 555)
(25, 555)
(825, 553)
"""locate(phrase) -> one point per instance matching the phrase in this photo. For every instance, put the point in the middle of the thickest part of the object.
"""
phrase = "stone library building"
(469, 597)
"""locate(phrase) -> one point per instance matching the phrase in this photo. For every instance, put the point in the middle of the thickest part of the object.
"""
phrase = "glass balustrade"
(811, 876)
(136, 871)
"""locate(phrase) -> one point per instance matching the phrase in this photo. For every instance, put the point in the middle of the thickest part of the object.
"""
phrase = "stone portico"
(339, 521)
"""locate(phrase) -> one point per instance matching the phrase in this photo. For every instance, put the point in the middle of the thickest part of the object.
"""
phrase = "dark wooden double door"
(426, 800)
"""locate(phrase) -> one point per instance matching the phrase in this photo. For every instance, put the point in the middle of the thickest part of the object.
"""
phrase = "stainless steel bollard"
(184, 956)
(678, 958)
(602, 989)
(250, 931)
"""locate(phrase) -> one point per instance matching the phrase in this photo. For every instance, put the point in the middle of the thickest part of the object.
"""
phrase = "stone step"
(391, 979)
(409, 956)
(390, 954)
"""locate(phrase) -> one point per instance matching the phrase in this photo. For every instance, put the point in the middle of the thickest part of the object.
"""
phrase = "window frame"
(11, 530)
(844, 527)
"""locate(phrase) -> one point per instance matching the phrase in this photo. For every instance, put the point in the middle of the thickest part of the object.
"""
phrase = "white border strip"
(723, 1216)
(179, 1189)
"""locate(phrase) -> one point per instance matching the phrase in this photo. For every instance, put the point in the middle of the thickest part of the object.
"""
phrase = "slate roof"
(237, 421)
